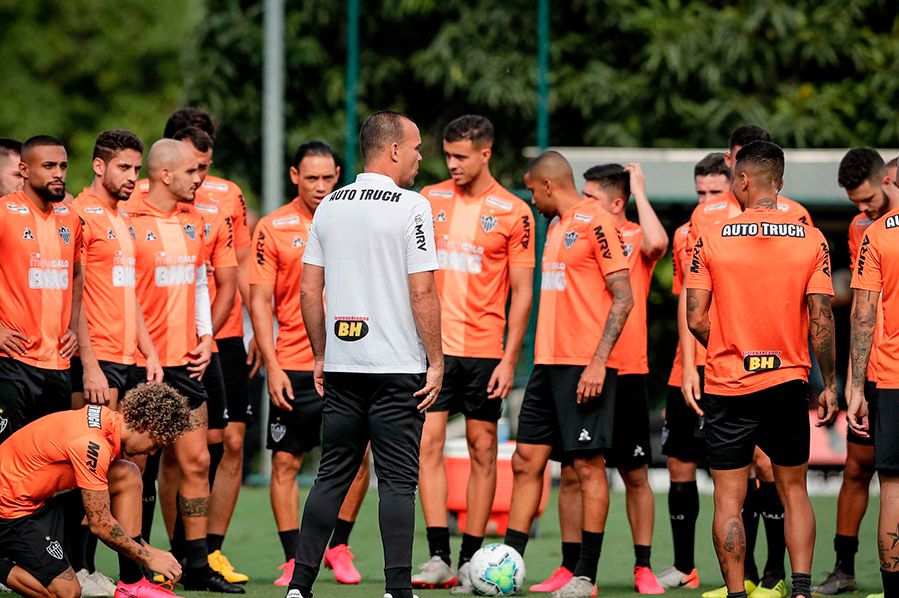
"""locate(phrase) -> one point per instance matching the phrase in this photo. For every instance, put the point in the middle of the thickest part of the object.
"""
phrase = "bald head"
(173, 165)
(551, 182)
(166, 154)
(553, 167)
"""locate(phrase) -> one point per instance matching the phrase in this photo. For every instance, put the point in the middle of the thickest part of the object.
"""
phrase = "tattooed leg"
(65, 585)
(888, 528)
(192, 455)
(727, 528)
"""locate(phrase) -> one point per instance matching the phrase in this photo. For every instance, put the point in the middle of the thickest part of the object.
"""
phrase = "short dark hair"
(711, 165)
(197, 138)
(746, 134)
(39, 141)
(313, 148)
(380, 129)
(111, 142)
(860, 164)
(611, 177)
(764, 155)
(10, 146)
(471, 127)
(189, 117)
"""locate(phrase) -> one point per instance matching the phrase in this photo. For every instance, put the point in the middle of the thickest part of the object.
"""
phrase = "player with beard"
(870, 186)
(40, 289)
(10, 154)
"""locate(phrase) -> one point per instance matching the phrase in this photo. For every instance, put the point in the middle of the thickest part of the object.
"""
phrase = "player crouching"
(84, 449)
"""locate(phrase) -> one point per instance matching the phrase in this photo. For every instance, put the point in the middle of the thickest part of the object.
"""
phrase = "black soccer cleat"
(209, 580)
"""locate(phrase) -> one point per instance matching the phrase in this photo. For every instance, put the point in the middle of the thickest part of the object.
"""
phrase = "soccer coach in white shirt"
(378, 357)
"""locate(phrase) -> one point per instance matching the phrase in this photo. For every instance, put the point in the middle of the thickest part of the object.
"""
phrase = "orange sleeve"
(223, 254)
(77, 238)
(90, 458)
(853, 246)
(608, 249)
(804, 216)
(239, 220)
(868, 275)
(264, 265)
(819, 282)
(677, 264)
(699, 276)
(521, 240)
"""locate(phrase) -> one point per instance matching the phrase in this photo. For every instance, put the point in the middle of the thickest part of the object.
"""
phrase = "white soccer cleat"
(674, 578)
(463, 580)
(579, 587)
(95, 584)
(434, 573)
(295, 594)
(389, 595)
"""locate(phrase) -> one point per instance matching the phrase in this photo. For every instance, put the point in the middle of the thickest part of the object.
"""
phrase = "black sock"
(214, 542)
(216, 450)
(751, 526)
(90, 551)
(740, 594)
(130, 571)
(289, 540)
(196, 553)
(642, 555)
(517, 540)
(438, 542)
(845, 547)
(397, 582)
(178, 540)
(772, 512)
(802, 585)
(342, 531)
(571, 552)
(890, 583)
(588, 563)
(683, 509)
(470, 545)
(149, 503)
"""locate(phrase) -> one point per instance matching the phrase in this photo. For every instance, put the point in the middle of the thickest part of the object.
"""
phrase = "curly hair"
(158, 409)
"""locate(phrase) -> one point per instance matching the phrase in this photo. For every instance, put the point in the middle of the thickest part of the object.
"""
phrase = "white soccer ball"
(496, 570)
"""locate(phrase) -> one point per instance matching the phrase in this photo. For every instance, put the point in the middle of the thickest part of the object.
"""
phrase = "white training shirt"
(369, 236)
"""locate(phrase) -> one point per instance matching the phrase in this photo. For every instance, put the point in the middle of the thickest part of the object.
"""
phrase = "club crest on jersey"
(190, 231)
(3, 423)
(488, 223)
(150, 236)
(207, 230)
(110, 234)
(65, 234)
(278, 431)
(131, 231)
(298, 242)
(441, 216)
(570, 238)
(28, 235)
(55, 550)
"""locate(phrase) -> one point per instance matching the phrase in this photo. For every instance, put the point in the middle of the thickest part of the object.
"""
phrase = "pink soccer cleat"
(286, 576)
(645, 581)
(144, 589)
(340, 560)
(559, 578)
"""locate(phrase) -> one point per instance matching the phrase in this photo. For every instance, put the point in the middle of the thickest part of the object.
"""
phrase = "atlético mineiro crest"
(570, 238)
(3, 423)
(55, 550)
(191, 231)
(278, 431)
(441, 216)
(65, 234)
(488, 223)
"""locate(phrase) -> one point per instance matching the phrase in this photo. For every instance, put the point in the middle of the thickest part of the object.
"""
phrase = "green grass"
(253, 547)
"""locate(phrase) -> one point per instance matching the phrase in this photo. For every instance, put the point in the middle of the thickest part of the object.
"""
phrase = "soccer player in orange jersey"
(486, 254)
(172, 288)
(10, 155)
(872, 189)
(758, 290)
(681, 441)
(294, 425)
(79, 457)
(40, 289)
(569, 403)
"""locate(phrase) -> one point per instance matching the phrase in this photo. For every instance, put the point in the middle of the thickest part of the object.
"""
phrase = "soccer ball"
(496, 570)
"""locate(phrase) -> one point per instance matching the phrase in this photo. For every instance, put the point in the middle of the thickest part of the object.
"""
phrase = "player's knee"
(233, 442)
(65, 589)
(124, 476)
(482, 451)
(197, 466)
(523, 465)
(431, 447)
(569, 482)
(587, 472)
(635, 479)
(285, 466)
(681, 471)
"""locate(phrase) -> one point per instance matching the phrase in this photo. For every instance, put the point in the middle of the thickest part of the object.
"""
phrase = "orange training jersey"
(478, 241)
(58, 452)
(229, 198)
(857, 229)
(629, 355)
(169, 249)
(107, 264)
(759, 267)
(582, 248)
(39, 250)
(218, 231)
(280, 241)
(877, 270)
(680, 260)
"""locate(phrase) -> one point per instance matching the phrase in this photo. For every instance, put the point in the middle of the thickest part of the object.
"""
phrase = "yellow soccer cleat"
(722, 591)
(778, 591)
(220, 563)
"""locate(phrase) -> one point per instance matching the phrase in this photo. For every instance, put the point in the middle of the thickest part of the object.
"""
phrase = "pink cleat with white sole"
(559, 578)
(645, 581)
(286, 576)
(340, 560)
(144, 589)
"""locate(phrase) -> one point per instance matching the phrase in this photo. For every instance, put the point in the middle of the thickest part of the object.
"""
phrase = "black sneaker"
(208, 580)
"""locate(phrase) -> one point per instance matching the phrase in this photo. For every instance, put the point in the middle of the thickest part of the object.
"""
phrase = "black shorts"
(464, 389)
(630, 438)
(179, 378)
(35, 542)
(28, 393)
(237, 379)
(682, 432)
(298, 431)
(870, 396)
(214, 383)
(885, 427)
(774, 419)
(118, 375)
(551, 416)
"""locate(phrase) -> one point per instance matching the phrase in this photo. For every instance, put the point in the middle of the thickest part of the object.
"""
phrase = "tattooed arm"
(594, 375)
(698, 303)
(822, 332)
(864, 317)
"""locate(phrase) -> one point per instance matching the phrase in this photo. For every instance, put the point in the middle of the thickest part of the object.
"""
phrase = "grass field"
(253, 547)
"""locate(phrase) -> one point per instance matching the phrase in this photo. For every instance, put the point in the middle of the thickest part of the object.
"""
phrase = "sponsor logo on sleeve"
(350, 329)
(761, 362)
(604, 242)
(863, 255)
(420, 241)
(260, 249)
(93, 417)
(498, 203)
(93, 456)
(694, 262)
(526, 231)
